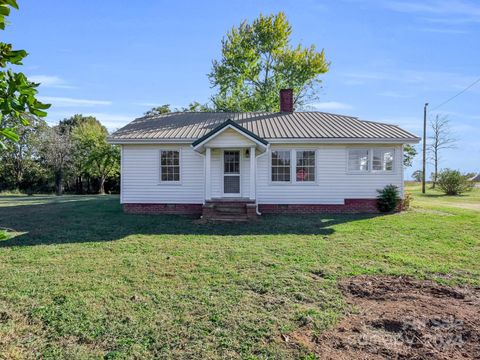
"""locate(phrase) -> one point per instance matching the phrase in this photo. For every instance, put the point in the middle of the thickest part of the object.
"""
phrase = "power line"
(458, 94)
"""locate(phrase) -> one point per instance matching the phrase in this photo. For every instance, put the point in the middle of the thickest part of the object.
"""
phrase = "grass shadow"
(100, 218)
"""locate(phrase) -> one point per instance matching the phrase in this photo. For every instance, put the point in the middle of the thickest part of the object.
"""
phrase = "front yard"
(80, 279)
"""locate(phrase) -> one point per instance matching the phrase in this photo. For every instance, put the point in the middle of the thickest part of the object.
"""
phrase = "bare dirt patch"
(401, 318)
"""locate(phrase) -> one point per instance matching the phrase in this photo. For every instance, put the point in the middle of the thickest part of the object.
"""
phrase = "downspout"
(256, 173)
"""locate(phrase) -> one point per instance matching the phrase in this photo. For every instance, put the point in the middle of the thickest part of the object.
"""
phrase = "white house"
(237, 165)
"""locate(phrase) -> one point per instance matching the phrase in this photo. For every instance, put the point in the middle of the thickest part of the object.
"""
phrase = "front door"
(231, 173)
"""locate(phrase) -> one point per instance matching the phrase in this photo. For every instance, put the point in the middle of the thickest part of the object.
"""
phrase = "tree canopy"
(258, 60)
(99, 158)
(17, 94)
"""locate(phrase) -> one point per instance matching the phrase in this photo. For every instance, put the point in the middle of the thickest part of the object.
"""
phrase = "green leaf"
(42, 106)
(12, 3)
(4, 10)
(9, 134)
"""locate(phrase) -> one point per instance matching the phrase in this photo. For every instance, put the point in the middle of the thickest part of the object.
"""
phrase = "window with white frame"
(358, 160)
(382, 160)
(170, 165)
(305, 166)
(281, 166)
(371, 159)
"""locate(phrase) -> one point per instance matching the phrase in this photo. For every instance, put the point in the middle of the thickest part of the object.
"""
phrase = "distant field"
(469, 200)
(79, 279)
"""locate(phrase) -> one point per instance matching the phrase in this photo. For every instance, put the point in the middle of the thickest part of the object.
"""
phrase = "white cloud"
(50, 81)
(71, 102)
(395, 95)
(147, 104)
(411, 123)
(329, 105)
(458, 11)
(444, 31)
(444, 7)
(423, 80)
(111, 120)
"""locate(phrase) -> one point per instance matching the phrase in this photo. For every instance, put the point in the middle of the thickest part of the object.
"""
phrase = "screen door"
(231, 172)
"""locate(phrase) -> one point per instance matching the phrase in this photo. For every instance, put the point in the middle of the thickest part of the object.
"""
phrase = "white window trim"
(370, 160)
(393, 161)
(293, 167)
(166, 182)
(222, 171)
(280, 183)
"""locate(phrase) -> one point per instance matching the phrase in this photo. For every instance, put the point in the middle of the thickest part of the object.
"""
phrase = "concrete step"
(226, 218)
(230, 209)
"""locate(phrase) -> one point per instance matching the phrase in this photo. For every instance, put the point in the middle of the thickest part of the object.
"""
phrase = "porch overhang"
(205, 141)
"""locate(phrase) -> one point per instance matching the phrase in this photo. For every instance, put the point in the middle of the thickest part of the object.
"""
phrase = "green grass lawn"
(80, 279)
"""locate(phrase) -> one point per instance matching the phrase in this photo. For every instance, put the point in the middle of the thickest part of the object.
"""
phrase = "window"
(358, 160)
(305, 168)
(281, 166)
(382, 160)
(170, 165)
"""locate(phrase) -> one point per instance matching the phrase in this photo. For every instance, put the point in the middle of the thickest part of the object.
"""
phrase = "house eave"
(344, 140)
(149, 141)
(278, 141)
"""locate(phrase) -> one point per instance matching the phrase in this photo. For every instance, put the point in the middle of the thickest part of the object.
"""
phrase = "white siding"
(333, 183)
(141, 176)
(229, 139)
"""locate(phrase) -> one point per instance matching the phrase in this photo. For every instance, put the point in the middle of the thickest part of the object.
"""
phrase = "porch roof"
(260, 143)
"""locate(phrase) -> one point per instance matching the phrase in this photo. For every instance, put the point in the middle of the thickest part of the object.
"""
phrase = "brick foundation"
(351, 206)
(186, 209)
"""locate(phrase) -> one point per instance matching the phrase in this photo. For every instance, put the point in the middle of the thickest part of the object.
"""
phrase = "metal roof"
(266, 125)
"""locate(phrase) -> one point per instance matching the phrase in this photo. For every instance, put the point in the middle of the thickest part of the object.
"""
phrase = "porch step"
(227, 218)
(229, 210)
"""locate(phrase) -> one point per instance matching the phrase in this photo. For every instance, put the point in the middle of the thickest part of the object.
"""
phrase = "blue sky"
(116, 59)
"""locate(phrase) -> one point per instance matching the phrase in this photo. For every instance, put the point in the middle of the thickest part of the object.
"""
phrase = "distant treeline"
(72, 157)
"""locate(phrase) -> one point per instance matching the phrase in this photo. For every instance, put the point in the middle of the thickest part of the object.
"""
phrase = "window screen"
(170, 165)
(382, 159)
(358, 160)
(305, 169)
(281, 166)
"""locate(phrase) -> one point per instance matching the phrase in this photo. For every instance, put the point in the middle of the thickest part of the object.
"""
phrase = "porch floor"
(231, 199)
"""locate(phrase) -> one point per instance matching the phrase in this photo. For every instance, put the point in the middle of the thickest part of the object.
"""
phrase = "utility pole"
(424, 147)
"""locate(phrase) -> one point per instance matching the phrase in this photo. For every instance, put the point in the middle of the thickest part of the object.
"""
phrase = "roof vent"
(286, 100)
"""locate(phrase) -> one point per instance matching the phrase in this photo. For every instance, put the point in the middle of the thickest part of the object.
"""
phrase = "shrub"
(388, 198)
(452, 182)
(407, 199)
(3, 235)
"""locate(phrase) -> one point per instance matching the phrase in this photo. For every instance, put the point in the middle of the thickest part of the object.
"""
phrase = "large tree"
(57, 152)
(441, 139)
(194, 106)
(21, 165)
(409, 153)
(258, 60)
(17, 94)
(101, 158)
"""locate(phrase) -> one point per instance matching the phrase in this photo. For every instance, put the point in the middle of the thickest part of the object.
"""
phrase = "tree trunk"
(59, 182)
(101, 189)
(79, 187)
(435, 171)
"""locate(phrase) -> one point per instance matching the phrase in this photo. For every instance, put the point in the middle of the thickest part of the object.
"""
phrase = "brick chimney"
(286, 100)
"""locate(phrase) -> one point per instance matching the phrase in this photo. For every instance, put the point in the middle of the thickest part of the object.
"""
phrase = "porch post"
(208, 177)
(253, 174)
